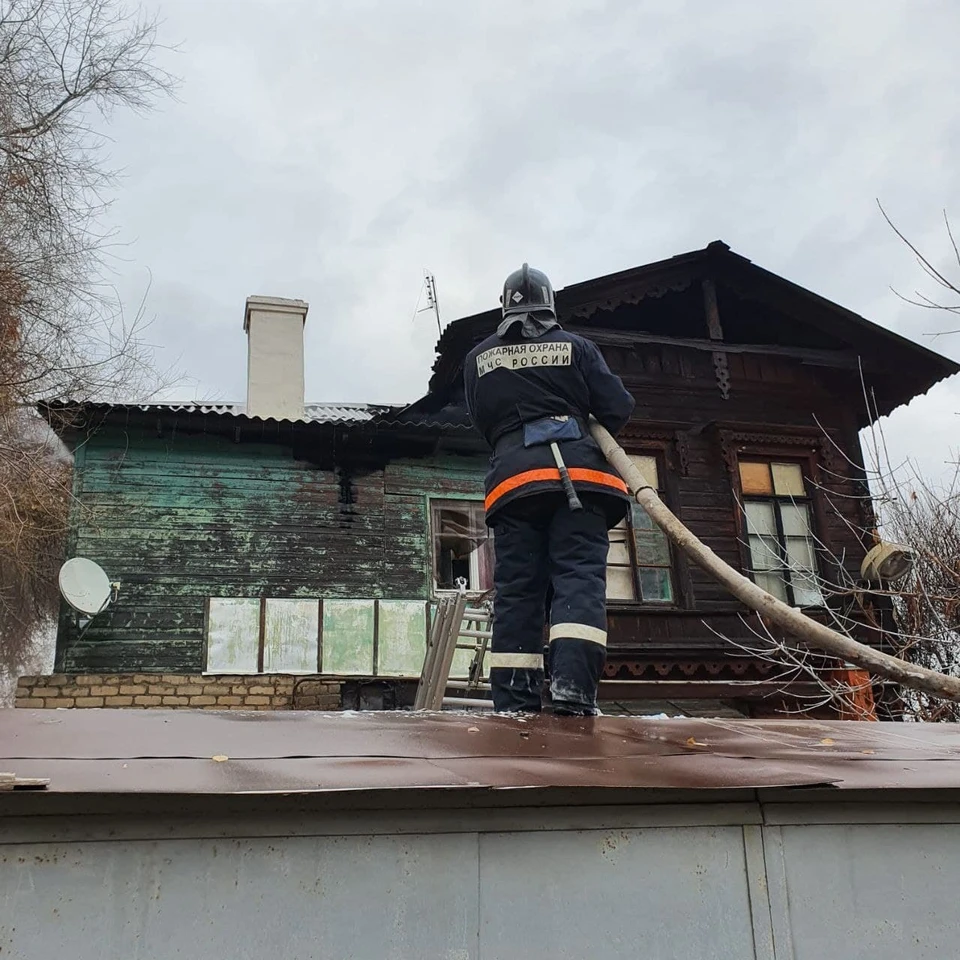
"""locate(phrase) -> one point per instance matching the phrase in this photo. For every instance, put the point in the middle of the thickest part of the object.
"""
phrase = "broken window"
(462, 545)
(780, 542)
(638, 561)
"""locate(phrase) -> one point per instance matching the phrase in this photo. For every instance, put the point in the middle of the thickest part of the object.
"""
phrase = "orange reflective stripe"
(597, 476)
(552, 473)
(520, 480)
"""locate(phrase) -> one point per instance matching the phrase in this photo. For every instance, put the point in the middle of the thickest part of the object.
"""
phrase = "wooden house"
(300, 545)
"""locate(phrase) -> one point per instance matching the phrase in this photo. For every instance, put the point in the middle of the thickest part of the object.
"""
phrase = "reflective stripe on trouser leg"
(520, 578)
(515, 661)
(578, 544)
(578, 631)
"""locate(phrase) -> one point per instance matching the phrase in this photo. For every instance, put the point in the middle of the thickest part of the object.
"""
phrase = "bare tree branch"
(920, 299)
(65, 66)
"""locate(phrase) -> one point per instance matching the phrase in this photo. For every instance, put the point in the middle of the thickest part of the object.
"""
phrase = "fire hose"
(808, 631)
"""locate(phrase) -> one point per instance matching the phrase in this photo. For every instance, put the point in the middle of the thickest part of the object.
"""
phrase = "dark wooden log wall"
(770, 405)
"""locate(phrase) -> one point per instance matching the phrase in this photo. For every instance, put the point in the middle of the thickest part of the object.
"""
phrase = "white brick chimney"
(274, 328)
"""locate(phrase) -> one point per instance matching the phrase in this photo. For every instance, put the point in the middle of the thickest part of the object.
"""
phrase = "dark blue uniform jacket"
(512, 382)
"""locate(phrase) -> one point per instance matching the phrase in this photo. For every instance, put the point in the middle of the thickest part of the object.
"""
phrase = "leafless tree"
(924, 516)
(779, 564)
(919, 514)
(916, 618)
(65, 67)
(950, 286)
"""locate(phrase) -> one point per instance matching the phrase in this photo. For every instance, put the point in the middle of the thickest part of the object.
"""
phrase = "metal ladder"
(453, 623)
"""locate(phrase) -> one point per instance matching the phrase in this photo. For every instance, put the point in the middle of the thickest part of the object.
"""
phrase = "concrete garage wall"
(706, 882)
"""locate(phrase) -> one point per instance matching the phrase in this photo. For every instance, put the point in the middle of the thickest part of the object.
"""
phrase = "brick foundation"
(169, 690)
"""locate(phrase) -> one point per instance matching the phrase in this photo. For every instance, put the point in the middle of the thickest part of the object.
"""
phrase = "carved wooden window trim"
(811, 449)
(659, 441)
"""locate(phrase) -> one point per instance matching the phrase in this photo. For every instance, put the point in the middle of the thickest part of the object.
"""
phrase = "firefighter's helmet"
(528, 290)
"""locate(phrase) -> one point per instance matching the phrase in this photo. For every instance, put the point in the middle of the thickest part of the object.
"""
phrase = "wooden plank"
(840, 359)
(171, 654)
(260, 634)
(320, 637)
(10, 781)
(711, 310)
(402, 642)
(290, 635)
(348, 627)
(233, 635)
(703, 690)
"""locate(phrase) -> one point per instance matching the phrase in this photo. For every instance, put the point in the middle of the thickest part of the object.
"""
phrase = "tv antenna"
(429, 287)
(86, 589)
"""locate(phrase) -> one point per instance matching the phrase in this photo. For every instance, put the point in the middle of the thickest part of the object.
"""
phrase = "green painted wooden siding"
(177, 521)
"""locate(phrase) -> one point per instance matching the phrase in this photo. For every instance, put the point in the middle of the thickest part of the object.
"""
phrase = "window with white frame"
(639, 568)
(462, 545)
(780, 543)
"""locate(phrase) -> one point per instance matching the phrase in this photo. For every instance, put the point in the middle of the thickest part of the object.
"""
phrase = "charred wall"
(183, 518)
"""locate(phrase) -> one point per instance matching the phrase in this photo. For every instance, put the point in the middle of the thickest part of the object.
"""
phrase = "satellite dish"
(85, 586)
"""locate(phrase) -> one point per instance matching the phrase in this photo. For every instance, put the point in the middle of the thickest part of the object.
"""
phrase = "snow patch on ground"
(39, 661)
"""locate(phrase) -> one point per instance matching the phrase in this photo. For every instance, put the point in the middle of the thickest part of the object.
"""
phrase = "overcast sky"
(333, 150)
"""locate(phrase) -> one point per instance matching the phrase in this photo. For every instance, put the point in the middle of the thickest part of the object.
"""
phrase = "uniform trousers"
(542, 547)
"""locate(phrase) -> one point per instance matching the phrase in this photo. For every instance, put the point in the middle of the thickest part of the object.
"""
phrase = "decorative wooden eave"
(900, 369)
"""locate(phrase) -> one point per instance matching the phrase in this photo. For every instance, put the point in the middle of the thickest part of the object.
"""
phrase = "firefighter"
(530, 389)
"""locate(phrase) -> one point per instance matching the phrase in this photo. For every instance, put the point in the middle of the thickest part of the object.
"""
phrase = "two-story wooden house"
(294, 549)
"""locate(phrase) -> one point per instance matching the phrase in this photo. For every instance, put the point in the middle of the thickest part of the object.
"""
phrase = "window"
(462, 545)
(780, 544)
(638, 562)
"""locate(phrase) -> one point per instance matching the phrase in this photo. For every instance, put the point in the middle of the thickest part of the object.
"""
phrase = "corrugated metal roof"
(202, 752)
(343, 412)
(62, 413)
(313, 412)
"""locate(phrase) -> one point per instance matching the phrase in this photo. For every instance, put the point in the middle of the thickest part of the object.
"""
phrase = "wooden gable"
(712, 315)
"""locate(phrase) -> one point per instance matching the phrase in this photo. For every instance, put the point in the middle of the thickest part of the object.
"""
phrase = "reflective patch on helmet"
(517, 297)
(525, 356)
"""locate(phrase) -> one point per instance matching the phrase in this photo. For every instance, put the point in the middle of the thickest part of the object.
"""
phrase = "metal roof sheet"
(313, 412)
(206, 752)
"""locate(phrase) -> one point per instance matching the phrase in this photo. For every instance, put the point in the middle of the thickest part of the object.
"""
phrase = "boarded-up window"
(348, 631)
(780, 542)
(290, 636)
(362, 637)
(638, 562)
(401, 637)
(233, 635)
(462, 545)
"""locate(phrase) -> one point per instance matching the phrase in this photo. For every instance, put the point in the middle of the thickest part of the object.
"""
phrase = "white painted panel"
(233, 635)
(348, 637)
(290, 636)
(402, 638)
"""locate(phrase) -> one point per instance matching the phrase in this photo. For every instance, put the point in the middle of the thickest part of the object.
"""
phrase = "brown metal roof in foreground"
(203, 752)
